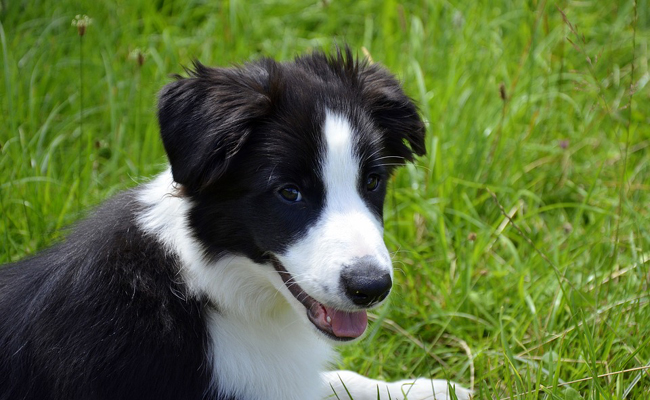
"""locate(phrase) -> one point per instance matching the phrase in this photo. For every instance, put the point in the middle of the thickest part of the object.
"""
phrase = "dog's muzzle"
(363, 285)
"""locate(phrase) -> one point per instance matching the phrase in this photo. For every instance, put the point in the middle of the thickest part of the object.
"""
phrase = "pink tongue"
(347, 324)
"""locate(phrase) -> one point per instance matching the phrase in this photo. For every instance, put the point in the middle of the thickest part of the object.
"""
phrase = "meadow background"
(522, 239)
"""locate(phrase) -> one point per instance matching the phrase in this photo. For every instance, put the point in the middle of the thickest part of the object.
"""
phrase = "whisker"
(385, 157)
(372, 154)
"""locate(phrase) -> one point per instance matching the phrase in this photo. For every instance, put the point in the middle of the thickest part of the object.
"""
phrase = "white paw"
(348, 385)
(428, 389)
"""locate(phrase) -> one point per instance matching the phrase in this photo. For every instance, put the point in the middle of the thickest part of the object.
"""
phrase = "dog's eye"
(372, 182)
(290, 193)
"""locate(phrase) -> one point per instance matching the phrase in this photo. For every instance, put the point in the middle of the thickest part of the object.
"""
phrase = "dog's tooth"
(328, 319)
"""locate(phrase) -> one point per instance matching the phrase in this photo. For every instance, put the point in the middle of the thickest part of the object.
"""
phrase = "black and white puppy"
(232, 274)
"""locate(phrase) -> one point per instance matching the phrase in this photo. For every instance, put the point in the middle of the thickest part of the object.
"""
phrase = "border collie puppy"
(233, 273)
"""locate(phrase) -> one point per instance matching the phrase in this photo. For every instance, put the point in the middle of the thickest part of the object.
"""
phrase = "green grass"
(521, 240)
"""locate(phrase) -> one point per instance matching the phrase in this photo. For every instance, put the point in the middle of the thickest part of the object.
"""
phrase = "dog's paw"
(348, 385)
(428, 389)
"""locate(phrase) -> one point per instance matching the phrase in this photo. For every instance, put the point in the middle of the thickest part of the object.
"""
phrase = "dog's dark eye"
(290, 193)
(372, 182)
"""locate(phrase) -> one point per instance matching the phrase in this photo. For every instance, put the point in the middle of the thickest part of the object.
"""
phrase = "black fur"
(105, 314)
(101, 316)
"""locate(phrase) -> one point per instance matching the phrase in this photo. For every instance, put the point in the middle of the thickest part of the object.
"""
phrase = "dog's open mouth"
(336, 324)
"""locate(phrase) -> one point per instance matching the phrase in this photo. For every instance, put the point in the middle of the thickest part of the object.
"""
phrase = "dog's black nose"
(365, 284)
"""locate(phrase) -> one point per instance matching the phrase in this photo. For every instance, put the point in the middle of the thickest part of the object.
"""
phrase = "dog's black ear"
(205, 119)
(393, 112)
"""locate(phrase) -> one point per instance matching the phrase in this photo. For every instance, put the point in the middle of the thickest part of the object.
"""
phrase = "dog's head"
(287, 164)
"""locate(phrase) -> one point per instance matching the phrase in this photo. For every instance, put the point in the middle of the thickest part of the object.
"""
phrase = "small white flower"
(81, 22)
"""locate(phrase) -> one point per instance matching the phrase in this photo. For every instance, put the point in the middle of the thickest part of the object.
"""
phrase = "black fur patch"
(101, 316)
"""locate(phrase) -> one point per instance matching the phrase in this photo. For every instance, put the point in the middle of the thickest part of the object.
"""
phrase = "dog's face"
(287, 164)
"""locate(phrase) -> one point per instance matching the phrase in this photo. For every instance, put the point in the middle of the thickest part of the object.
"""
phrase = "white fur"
(346, 230)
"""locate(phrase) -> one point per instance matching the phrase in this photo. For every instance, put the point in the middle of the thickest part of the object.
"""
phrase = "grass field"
(521, 240)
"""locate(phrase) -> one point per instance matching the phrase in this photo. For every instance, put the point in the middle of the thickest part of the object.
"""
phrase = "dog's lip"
(336, 324)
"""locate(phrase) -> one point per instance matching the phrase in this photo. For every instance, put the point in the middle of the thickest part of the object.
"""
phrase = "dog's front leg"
(348, 385)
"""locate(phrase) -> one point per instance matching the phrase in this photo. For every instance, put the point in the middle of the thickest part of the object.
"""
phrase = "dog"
(233, 273)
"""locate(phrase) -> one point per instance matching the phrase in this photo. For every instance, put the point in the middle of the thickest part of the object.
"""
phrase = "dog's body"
(230, 275)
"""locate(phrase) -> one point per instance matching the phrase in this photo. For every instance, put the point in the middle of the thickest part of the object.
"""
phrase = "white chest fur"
(269, 360)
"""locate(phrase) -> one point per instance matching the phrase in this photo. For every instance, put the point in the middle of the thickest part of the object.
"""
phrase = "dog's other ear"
(393, 112)
(205, 119)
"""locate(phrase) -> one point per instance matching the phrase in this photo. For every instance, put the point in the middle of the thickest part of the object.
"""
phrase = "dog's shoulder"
(106, 302)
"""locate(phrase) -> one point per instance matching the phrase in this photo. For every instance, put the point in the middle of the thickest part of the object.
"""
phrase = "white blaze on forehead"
(346, 216)
(341, 165)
